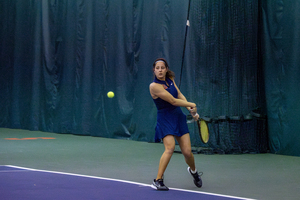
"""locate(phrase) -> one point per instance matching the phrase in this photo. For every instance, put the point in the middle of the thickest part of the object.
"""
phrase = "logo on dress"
(165, 87)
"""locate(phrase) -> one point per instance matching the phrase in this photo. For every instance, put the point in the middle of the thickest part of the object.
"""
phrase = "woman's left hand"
(196, 117)
(194, 113)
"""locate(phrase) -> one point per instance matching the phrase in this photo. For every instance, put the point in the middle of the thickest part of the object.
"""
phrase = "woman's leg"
(169, 143)
(186, 149)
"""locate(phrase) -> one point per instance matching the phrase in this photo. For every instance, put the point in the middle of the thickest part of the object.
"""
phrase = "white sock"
(194, 172)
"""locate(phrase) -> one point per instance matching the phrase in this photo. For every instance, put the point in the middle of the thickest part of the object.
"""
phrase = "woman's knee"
(169, 144)
(187, 152)
(169, 150)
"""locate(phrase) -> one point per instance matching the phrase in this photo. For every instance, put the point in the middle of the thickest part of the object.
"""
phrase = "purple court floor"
(24, 183)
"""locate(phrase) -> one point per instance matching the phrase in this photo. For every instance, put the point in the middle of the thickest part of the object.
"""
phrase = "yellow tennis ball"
(110, 94)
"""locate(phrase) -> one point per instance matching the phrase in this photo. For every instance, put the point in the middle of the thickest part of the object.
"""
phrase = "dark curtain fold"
(223, 71)
(224, 51)
(280, 48)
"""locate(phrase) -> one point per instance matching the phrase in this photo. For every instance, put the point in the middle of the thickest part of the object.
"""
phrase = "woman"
(171, 121)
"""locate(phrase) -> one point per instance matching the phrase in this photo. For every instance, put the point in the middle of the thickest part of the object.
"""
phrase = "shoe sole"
(155, 188)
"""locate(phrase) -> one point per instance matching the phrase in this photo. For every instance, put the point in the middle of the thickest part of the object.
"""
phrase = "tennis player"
(171, 121)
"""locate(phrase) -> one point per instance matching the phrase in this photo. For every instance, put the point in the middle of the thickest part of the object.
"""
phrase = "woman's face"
(160, 70)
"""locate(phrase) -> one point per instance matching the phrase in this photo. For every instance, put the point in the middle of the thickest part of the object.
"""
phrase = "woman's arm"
(192, 110)
(181, 96)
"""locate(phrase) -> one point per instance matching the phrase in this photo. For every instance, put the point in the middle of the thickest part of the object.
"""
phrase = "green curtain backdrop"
(223, 54)
(60, 58)
(281, 50)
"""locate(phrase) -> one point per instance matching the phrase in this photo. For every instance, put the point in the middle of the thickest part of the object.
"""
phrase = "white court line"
(123, 181)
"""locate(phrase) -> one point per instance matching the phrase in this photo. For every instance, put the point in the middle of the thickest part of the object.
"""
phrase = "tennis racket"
(203, 130)
(202, 127)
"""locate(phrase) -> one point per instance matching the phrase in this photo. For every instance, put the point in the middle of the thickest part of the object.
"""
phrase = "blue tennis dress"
(170, 119)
